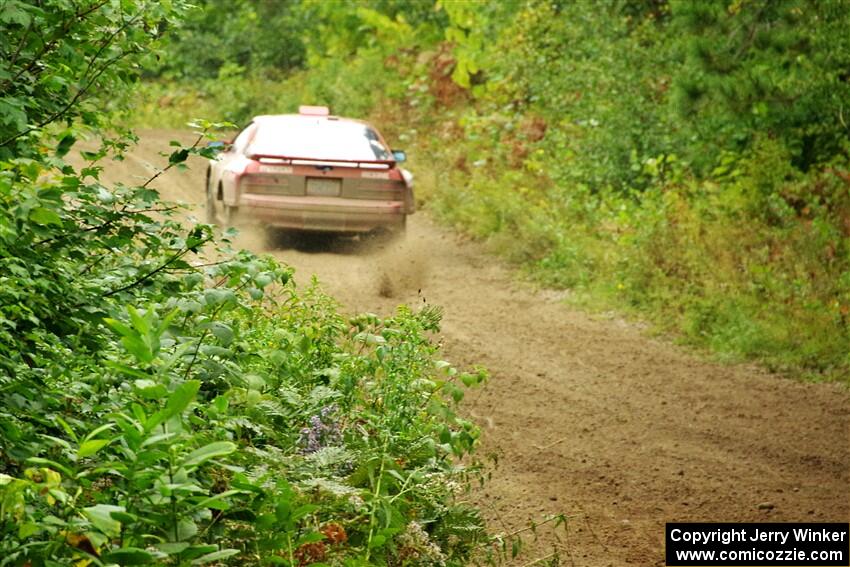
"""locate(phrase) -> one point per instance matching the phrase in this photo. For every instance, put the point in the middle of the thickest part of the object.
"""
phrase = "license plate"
(375, 175)
(323, 187)
(275, 169)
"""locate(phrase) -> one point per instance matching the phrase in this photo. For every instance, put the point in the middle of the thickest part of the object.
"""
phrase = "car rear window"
(318, 138)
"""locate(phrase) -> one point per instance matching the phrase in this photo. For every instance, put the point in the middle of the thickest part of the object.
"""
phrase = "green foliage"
(583, 83)
(777, 67)
(58, 56)
(166, 400)
(345, 44)
(239, 35)
(133, 456)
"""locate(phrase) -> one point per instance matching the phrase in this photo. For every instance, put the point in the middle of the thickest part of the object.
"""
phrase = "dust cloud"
(394, 267)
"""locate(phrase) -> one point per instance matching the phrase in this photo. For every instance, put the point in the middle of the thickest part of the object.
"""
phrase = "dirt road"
(589, 417)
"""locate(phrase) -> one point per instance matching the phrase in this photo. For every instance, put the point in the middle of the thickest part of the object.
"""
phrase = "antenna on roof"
(305, 110)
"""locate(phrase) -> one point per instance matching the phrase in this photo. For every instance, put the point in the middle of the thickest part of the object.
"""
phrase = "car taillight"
(376, 189)
(260, 184)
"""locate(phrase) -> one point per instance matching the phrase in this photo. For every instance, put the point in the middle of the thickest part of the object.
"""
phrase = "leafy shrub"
(164, 399)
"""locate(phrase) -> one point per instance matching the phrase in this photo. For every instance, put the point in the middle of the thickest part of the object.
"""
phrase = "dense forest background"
(687, 161)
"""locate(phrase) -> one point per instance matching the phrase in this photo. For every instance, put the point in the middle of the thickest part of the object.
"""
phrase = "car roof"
(332, 138)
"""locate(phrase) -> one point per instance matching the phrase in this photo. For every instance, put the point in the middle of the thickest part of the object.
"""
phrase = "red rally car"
(310, 171)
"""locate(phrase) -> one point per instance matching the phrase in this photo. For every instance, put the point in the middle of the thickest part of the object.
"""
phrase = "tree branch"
(47, 47)
(58, 114)
(14, 57)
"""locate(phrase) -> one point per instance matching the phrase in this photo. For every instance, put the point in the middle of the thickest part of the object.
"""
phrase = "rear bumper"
(331, 214)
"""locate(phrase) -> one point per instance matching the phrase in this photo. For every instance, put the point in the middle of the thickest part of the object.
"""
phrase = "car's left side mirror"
(399, 156)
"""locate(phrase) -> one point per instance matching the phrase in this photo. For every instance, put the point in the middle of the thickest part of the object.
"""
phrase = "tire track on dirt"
(589, 417)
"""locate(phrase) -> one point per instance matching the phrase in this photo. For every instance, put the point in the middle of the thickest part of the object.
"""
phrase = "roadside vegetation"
(686, 162)
(165, 399)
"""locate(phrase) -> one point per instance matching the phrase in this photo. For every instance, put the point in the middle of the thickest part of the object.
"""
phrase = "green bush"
(165, 399)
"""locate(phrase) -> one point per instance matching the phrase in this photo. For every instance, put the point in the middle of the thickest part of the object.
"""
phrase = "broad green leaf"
(124, 369)
(136, 346)
(59, 441)
(158, 438)
(66, 427)
(194, 551)
(101, 517)
(186, 529)
(215, 556)
(377, 541)
(218, 501)
(129, 556)
(65, 145)
(469, 380)
(45, 216)
(98, 430)
(123, 517)
(57, 494)
(216, 296)
(97, 539)
(150, 389)
(178, 156)
(131, 339)
(92, 446)
(119, 327)
(213, 350)
(207, 452)
(254, 382)
(27, 529)
(11, 113)
(172, 547)
(222, 332)
(140, 320)
(53, 464)
(139, 414)
(177, 403)
(304, 510)
(182, 397)
(13, 14)
(263, 279)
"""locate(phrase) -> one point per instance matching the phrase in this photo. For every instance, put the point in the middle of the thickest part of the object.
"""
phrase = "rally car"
(309, 171)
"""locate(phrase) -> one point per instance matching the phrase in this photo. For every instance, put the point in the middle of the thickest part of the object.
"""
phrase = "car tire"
(398, 232)
(211, 215)
(228, 216)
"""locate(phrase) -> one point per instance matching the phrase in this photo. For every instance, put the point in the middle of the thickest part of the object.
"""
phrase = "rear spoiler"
(390, 163)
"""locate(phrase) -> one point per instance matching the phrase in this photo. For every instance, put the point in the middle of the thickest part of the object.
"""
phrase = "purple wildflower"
(323, 431)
